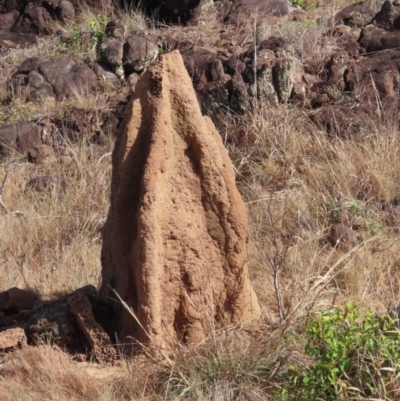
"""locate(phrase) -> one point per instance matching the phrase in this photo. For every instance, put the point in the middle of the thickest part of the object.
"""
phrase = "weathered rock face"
(176, 238)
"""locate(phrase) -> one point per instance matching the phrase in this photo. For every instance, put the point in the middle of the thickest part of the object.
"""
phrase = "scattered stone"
(97, 338)
(359, 13)
(243, 9)
(170, 255)
(22, 137)
(139, 52)
(283, 75)
(9, 40)
(35, 19)
(65, 11)
(12, 339)
(42, 154)
(111, 52)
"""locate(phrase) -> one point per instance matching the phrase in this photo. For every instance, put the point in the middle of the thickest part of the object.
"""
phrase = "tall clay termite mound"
(176, 238)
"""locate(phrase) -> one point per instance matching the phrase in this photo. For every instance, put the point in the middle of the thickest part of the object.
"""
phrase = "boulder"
(111, 52)
(34, 19)
(138, 53)
(12, 339)
(21, 136)
(242, 9)
(176, 239)
(359, 13)
(388, 18)
(9, 40)
(8, 20)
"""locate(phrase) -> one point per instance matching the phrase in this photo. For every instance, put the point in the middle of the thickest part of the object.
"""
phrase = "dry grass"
(296, 182)
(54, 247)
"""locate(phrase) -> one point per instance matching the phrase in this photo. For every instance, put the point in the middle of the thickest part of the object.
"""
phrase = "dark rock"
(56, 68)
(41, 154)
(21, 136)
(30, 64)
(65, 11)
(34, 19)
(10, 40)
(283, 77)
(239, 95)
(203, 66)
(116, 29)
(41, 92)
(139, 52)
(35, 79)
(373, 39)
(111, 52)
(8, 20)
(242, 9)
(7, 6)
(388, 18)
(53, 322)
(359, 14)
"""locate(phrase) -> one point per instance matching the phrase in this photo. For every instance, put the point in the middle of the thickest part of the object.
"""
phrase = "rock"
(34, 19)
(12, 339)
(115, 29)
(388, 18)
(97, 338)
(203, 66)
(29, 65)
(175, 242)
(373, 39)
(8, 20)
(53, 323)
(359, 13)
(42, 154)
(242, 9)
(21, 136)
(283, 76)
(79, 81)
(111, 52)
(139, 52)
(171, 10)
(55, 68)
(342, 236)
(65, 11)
(9, 40)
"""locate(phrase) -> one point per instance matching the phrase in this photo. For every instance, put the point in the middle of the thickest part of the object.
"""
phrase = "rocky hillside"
(305, 96)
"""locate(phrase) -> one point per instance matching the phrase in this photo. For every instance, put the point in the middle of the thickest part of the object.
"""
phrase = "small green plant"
(86, 38)
(354, 358)
(297, 3)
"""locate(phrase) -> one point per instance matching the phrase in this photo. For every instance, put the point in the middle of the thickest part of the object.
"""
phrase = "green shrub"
(353, 358)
